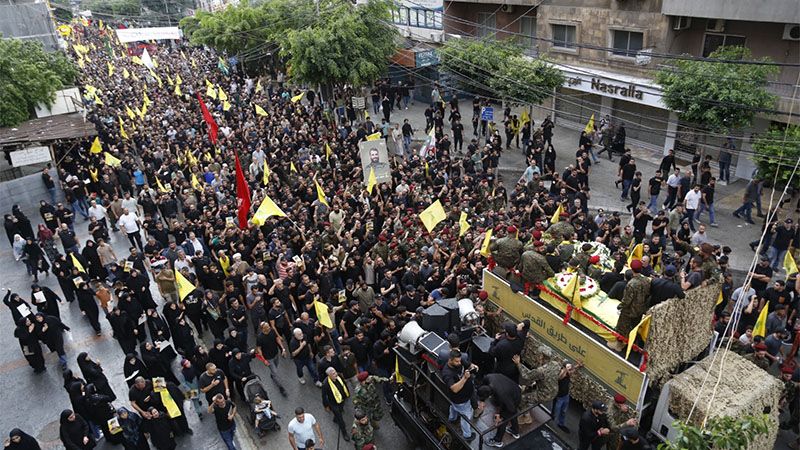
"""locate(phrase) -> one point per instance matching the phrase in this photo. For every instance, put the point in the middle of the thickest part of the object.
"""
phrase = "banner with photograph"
(375, 157)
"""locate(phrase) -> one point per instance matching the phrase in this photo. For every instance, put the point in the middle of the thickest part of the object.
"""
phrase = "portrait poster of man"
(374, 156)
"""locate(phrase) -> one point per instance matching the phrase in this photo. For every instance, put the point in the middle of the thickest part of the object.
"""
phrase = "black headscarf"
(27, 442)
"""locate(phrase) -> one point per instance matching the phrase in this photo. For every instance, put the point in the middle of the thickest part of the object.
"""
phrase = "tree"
(720, 432)
(474, 63)
(526, 80)
(719, 96)
(29, 76)
(349, 44)
(774, 155)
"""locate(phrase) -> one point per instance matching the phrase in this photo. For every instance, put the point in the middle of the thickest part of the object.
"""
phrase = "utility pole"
(166, 10)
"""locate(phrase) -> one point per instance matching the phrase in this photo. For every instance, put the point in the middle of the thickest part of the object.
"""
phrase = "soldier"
(534, 266)
(789, 398)
(709, 266)
(582, 257)
(634, 303)
(561, 231)
(362, 432)
(594, 270)
(367, 398)
(620, 415)
(540, 385)
(759, 356)
(507, 250)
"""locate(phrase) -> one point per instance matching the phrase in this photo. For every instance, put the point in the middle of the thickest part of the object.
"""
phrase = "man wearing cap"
(363, 433)
(593, 427)
(619, 415)
(634, 303)
(759, 356)
(367, 398)
(631, 440)
(789, 397)
(534, 266)
(665, 287)
(507, 249)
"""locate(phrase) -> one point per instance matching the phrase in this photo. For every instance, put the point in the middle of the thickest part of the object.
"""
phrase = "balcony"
(779, 11)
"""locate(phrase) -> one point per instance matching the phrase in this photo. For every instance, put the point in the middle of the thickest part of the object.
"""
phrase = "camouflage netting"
(583, 388)
(680, 329)
(749, 392)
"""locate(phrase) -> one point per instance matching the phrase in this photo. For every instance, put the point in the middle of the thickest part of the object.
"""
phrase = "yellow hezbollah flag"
(323, 315)
(720, 298)
(185, 287)
(292, 167)
(211, 92)
(112, 161)
(760, 328)
(557, 215)
(145, 99)
(298, 97)
(226, 105)
(485, 246)
(222, 95)
(371, 181)
(129, 113)
(266, 174)
(328, 151)
(169, 403)
(178, 79)
(125, 73)
(321, 194)
(260, 111)
(96, 146)
(397, 377)
(110, 69)
(196, 182)
(160, 186)
(432, 215)
(525, 118)
(267, 209)
(77, 264)
(789, 265)
(590, 125)
(643, 329)
(258, 86)
(178, 90)
(463, 225)
(636, 253)
(97, 100)
(374, 136)
(573, 290)
(122, 128)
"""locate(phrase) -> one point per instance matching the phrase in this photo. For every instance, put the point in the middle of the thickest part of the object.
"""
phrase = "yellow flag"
(129, 113)
(226, 105)
(642, 329)
(323, 315)
(196, 183)
(77, 264)
(97, 100)
(374, 136)
(169, 404)
(267, 209)
(463, 225)
(97, 147)
(590, 125)
(146, 99)
(183, 55)
(258, 86)
(398, 378)
(328, 152)
(178, 90)
(112, 161)
(185, 287)
(110, 69)
(122, 128)
(321, 194)
(298, 97)
(292, 167)
(557, 215)
(266, 173)
(366, 115)
(789, 264)
(760, 328)
(371, 181)
(525, 118)
(137, 60)
(160, 186)
(222, 95)
(636, 253)
(260, 111)
(427, 172)
(194, 64)
(720, 298)
(485, 246)
(209, 84)
(211, 92)
(142, 111)
(169, 80)
(178, 79)
(432, 215)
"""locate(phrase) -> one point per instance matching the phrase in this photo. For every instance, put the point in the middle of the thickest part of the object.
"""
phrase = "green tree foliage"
(113, 7)
(526, 80)
(28, 76)
(717, 95)
(473, 63)
(348, 45)
(726, 433)
(775, 155)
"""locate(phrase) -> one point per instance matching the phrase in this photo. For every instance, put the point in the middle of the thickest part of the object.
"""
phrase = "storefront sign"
(426, 58)
(625, 91)
(603, 365)
(617, 86)
(30, 155)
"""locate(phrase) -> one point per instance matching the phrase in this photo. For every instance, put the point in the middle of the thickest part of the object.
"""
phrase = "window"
(715, 41)
(627, 43)
(527, 32)
(486, 25)
(564, 36)
(402, 16)
(429, 20)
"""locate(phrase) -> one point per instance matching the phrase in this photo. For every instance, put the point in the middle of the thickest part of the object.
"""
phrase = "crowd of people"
(331, 279)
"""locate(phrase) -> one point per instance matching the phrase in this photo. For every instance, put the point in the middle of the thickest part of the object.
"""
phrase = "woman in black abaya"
(74, 432)
(23, 223)
(100, 410)
(93, 373)
(134, 367)
(157, 365)
(19, 440)
(96, 269)
(29, 343)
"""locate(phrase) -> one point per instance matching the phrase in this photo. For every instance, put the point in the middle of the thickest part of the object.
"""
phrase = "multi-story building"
(420, 23)
(604, 49)
(214, 5)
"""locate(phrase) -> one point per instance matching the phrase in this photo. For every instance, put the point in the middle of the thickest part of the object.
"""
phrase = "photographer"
(460, 388)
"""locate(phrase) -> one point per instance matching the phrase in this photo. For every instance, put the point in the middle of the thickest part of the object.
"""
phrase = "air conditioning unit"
(681, 22)
(716, 25)
(791, 32)
(507, 8)
(437, 37)
(406, 32)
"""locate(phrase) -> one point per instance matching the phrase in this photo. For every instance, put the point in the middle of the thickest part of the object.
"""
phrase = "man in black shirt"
(224, 413)
(506, 345)
(707, 202)
(506, 396)
(593, 427)
(213, 382)
(459, 389)
(458, 135)
(666, 287)
(762, 274)
(626, 174)
(667, 162)
(655, 189)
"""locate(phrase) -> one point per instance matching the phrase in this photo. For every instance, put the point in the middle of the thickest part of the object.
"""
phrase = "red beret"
(594, 259)
(498, 228)
(393, 245)
(483, 295)
(382, 238)
(636, 265)
(511, 229)
(362, 376)
(537, 234)
(538, 244)
(564, 214)
(760, 347)
(619, 398)
(787, 369)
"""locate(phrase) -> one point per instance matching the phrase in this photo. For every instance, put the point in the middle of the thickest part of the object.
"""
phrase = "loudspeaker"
(437, 319)
(403, 367)
(453, 316)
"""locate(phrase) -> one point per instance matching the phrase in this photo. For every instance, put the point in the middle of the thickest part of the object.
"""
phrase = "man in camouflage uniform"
(362, 431)
(539, 385)
(634, 303)
(759, 356)
(367, 398)
(619, 415)
(789, 399)
(561, 231)
(506, 251)
(534, 266)
(710, 267)
(582, 257)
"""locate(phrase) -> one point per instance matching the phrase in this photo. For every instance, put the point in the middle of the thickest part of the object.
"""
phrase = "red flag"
(243, 194)
(212, 126)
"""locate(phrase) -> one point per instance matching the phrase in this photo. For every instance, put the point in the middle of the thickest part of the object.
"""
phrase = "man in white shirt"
(130, 202)
(302, 428)
(691, 203)
(673, 182)
(98, 212)
(129, 223)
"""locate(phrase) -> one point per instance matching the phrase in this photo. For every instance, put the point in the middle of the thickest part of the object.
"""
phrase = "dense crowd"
(167, 179)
